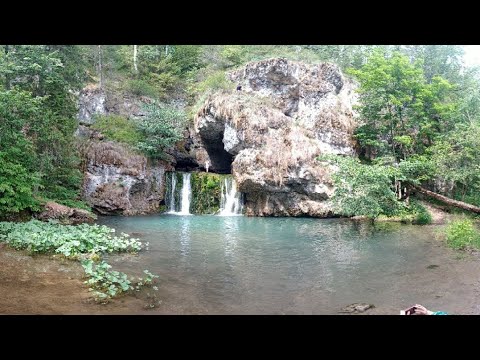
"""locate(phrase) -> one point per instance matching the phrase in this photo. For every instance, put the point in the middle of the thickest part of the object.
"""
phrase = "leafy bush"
(141, 87)
(423, 218)
(213, 82)
(16, 187)
(161, 128)
(70, 241)
(361, 189)
(83, 242)
(234, 54)
(118, 128)
(461, 234)
(106, 284)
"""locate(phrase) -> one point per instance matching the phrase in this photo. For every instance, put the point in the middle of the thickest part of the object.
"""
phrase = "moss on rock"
(206, 192)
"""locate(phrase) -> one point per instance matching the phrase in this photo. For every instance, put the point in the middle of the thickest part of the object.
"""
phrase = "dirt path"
(439, 216)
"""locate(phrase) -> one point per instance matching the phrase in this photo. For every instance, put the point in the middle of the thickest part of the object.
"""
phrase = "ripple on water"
(244, 265)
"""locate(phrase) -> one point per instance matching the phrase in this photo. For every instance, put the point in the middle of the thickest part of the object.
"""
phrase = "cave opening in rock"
(221, 160)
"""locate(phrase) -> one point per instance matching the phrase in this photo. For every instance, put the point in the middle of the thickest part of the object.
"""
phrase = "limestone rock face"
(95, 101)
(270, 133)
(91, 101)
(119, 181)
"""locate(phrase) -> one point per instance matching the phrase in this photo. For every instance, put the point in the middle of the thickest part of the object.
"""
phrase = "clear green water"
(246, 265)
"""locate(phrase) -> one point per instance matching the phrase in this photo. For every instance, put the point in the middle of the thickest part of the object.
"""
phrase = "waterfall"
(186, 195)
(173, 184)
(179, 199)
(231, 202)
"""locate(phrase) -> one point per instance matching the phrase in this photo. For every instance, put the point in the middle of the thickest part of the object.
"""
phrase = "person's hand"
(422, 310)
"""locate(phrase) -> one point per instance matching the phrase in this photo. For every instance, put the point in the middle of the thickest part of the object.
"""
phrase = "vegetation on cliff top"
(419, 106)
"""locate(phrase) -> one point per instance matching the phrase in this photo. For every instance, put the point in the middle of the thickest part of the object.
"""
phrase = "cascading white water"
(172, 194)
(186, 195)
(231, 200)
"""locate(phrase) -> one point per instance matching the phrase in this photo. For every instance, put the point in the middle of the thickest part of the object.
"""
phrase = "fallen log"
(448, 201)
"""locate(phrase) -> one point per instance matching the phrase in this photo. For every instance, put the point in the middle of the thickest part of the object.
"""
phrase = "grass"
(462, 234)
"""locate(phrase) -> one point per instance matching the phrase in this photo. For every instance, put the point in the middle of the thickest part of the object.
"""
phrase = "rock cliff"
(270, 133)
(119, 181)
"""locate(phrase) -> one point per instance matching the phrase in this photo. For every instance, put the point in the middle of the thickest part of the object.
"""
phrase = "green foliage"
(416, 169)
(67, 240)
(214, 82)
(106, 284)
(16, 187)
(234, 54)
(461, 234)
(140, 87)
(118, 128)
(206, 194)
(361, 189)
(186, 57)
(423, 218)
(37, 120)
(400, 110)
(414, 213)
(437, 60)
(83, 242)
(456, 157)
(160, 128)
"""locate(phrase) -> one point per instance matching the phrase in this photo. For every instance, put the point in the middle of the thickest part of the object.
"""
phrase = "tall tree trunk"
(135, 59)
(448, 201)
(100, 70)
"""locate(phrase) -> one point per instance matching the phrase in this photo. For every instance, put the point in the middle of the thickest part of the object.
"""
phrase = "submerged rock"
(356, 308)
(272, 131)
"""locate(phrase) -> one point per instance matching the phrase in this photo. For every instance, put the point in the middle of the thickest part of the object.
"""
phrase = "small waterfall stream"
(231, 202)
(186, 195)
(173, 183)
(180, 199)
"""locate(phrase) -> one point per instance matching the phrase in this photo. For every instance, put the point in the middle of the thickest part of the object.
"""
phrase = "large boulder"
(120, 181)
(65, 214)
(270, 134)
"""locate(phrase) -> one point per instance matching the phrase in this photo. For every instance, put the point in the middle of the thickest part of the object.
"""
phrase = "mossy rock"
(206, 192)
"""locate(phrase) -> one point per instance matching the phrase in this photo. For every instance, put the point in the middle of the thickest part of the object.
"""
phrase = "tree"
(135, 68)
(456, 157)
(161, 128)
(361, 189)
(400, 111)
(37, 116)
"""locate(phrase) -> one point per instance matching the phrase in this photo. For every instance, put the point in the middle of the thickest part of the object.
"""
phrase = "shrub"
(83, 242)
(16, 187)
(161, 128)
(461, 234)
(423, 218)
(213, 82)
(118, 128)
(141, 87)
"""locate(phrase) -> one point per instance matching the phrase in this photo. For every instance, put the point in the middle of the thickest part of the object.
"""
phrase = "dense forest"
(418, 107)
